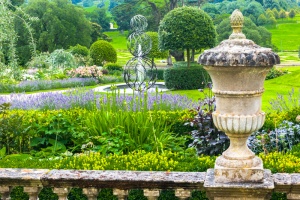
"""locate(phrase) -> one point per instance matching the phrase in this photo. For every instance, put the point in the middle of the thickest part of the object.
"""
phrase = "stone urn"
(238, 68)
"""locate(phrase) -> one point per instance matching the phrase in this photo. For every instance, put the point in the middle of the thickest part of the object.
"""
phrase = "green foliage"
(61, 59)
(79, 50)
(185, 78)
(58, 25)
(186, 28)
(39, 61)
(111, 67)
(122, 14)
(99, 16)
(274, 73)
(160, 74)
(254, 8)
(13, 131)
(262, 20)
(282, 14)
(259, 35)
(155, 52)
(292, 14)
(102, 52)
(133, 130)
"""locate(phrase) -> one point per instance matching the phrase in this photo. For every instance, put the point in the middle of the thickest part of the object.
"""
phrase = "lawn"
(286, 36)
(288, 57)
(281, 85)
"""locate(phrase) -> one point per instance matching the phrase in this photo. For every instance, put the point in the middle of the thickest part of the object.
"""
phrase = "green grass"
(286, 36)
(288, 57)
(119, 40)
(281, 85)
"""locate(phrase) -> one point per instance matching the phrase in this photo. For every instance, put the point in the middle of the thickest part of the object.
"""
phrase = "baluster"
(33, 192)
(121, 194)
(62, 193)
(182, 193)
(292, 196)
(151, 194)
(5, 192)
(91, 193)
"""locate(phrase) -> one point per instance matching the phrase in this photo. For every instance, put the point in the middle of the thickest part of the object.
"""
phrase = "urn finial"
(236, 21)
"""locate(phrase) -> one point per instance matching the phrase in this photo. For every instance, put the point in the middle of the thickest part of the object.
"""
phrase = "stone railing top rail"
(102, 179)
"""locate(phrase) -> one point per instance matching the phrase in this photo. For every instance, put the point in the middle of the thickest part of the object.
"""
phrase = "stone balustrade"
(92, 181)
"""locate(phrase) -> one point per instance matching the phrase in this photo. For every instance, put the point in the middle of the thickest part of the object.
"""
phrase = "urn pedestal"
(238, 68)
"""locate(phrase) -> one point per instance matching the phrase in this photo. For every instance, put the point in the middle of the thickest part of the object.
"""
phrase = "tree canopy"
(186, 28)
(258, 34)
(60, 24)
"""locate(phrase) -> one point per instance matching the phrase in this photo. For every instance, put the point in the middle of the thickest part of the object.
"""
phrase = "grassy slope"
(286, 34)
(119, 42)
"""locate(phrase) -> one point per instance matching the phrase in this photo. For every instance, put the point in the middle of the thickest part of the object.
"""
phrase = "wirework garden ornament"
(140, 72)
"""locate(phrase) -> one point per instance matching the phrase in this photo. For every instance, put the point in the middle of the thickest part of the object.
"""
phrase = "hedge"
(180, 77)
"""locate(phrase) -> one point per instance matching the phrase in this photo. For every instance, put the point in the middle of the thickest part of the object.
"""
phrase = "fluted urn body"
(238, 68)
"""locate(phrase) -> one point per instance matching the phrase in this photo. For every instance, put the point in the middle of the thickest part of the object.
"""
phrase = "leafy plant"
(101, 52)
(274, 73)
(283, 138)
(206, 138)
(61, 59)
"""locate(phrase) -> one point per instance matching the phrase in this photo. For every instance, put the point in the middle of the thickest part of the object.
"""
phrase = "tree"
(276, 13)
(262, 20)
(60, 25)
(210, 9)
(292, 14)
(271, 20)
(254, 8)
(269, 13)
(282, 14)
(186, 28)
(258, 34)
(271, 4)
(155, 52)
(9, 15)
(122, 14)
(100, 17)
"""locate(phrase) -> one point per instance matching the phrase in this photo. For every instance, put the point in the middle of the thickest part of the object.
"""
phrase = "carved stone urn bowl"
(238, 68)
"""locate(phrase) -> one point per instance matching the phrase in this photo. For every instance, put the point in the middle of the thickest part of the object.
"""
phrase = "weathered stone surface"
(238, 52)
(22, 177)
(238, 191)
(123, 179)
(238, 68)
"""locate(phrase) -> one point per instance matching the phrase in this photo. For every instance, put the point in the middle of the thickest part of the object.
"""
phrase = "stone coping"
(279, 182)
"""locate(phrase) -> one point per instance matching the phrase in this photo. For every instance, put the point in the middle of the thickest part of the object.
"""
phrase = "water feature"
(124, 87)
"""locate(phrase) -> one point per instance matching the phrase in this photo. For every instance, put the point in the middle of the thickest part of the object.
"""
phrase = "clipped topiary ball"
(101, 52)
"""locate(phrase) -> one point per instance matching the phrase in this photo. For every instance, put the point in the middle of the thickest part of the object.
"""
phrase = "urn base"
(246, 170)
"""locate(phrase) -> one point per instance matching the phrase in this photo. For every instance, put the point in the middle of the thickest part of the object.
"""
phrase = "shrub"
(113, 68)
(79, 50)
(102, 51)
(61, 59)
(39, 61)
(86, 72)
(274, 73)
(283, 138)
(160, 74)
(206, 138)
(185, 78)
